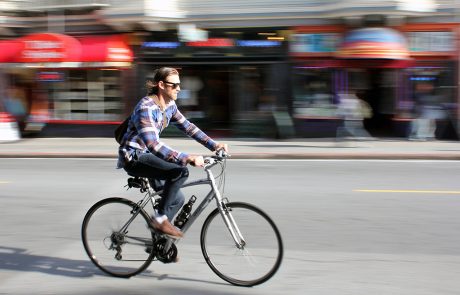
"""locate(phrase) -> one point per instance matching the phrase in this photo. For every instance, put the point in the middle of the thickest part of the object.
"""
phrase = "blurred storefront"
(316, 78)
(435, 50)
(273, 68)
(233, 81)
(381, 65)
(59, 78)
(375, 58)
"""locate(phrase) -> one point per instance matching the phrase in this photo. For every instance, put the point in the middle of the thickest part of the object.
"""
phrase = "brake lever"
(222, 153)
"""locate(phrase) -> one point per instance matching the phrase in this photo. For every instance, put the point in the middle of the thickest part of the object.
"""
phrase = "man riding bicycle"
(143, 154)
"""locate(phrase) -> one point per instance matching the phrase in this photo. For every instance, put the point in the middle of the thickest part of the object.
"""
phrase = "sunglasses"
(174, 85)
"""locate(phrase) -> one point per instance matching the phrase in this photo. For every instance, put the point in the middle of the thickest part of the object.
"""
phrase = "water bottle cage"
(184, 213)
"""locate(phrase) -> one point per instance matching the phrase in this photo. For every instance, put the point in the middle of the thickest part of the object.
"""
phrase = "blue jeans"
(171, 174)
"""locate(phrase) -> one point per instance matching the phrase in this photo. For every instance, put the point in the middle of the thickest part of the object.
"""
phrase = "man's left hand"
(221, 146)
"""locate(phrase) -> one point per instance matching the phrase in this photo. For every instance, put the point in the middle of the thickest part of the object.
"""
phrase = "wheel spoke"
(117, 253)
(257, 260)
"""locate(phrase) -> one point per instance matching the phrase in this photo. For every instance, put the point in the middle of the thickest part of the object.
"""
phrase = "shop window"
(92, 95)
(442, 79)
(313, 92)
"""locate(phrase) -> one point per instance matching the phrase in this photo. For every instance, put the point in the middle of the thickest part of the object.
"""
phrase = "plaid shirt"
(143, 134)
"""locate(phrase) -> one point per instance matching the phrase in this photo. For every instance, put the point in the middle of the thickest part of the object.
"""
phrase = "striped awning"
(373, 43)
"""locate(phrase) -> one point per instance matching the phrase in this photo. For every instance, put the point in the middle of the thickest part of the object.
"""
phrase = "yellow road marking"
(406, 191)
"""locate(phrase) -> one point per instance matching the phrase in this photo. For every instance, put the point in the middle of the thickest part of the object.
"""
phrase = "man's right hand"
(196, 161)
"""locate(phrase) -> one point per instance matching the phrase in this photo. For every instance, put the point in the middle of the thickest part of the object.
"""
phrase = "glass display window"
(313, 92)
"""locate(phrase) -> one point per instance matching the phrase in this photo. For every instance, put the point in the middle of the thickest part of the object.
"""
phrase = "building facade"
(249, 68)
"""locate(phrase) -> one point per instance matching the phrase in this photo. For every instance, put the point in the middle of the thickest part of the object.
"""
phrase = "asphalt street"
(349, 227)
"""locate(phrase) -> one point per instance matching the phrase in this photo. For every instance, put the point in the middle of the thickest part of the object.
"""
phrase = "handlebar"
(220, 156)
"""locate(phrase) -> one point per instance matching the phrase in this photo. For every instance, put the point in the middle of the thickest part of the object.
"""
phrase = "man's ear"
(161, 85)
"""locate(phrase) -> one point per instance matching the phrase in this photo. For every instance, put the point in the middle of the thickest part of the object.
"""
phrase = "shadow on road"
(17, 259)
(192, 290)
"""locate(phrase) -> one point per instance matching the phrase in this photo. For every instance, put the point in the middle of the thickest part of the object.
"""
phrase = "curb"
(285, 156)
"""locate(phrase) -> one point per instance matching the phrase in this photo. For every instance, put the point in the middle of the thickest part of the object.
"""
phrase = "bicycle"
(243, 247)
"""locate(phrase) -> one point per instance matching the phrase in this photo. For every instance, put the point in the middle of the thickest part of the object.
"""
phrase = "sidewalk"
(305, 148)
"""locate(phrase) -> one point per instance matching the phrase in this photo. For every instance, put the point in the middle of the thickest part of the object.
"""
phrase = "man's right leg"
(150, 166)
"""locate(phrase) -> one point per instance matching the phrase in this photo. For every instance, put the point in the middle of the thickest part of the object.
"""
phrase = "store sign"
(311, 43)
(258, 43)
(159, 44)
(213, 42)
(49, 47)
(422, 78)
(43, 50)
(431, 41)
(119, 54)
(50, 76)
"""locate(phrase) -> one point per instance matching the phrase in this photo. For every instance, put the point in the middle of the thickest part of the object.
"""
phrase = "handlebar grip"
(222, 153)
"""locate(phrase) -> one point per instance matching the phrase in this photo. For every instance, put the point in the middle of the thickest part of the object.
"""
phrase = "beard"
(172, 97)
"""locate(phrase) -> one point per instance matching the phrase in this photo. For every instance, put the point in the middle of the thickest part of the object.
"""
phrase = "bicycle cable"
(221, 177)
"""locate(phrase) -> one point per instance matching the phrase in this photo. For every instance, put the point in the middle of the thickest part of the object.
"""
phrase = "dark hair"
(158, 75)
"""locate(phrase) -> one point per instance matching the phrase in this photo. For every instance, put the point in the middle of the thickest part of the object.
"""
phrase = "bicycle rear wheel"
(253, 263)
(117, 243)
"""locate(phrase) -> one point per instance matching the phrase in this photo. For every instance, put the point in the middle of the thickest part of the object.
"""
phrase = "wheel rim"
(119, 253)
(257, 261)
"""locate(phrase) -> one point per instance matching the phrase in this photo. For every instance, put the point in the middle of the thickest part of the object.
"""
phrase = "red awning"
(9, 49)
(374, 48)
(48, 47)
(87, 51)
(373, 43)
(105, 49)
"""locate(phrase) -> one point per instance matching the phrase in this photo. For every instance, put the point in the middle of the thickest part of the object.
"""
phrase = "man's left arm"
(193, 131)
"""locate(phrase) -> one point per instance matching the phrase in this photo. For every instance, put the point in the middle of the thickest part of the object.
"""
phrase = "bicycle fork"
(226, 214)
(229, 221)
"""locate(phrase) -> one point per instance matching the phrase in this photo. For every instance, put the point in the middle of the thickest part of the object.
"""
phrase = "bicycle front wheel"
(251, 261)
(116, 237)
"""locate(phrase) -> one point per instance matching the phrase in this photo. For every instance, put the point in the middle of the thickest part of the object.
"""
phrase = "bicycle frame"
(123, 246)
(213, 193)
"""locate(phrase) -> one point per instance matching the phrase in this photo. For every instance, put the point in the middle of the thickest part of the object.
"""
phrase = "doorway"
(377, 87)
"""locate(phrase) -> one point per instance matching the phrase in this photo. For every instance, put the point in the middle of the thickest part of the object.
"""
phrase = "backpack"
(121, 130)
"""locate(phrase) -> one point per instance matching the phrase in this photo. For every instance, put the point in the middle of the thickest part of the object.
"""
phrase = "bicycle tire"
(232, 264)
(100, 233)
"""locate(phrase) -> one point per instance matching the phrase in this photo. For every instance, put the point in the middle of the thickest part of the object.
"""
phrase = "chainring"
(162, 255)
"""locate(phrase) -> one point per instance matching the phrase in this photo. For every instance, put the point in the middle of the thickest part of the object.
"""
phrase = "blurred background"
(268, 69)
